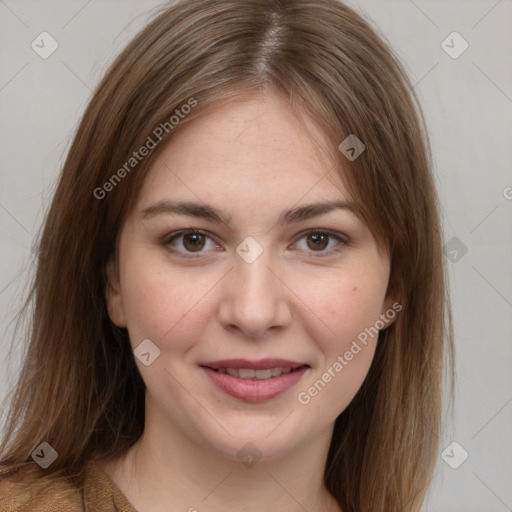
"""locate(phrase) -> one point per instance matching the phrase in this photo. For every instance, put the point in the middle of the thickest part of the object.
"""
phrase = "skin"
(252, 160)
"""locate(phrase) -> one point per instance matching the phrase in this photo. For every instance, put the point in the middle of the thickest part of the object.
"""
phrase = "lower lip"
(255, 390)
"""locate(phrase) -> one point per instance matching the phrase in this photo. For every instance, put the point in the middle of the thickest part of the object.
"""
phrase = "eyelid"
(335, 234)
(341, 237)
(167, 239)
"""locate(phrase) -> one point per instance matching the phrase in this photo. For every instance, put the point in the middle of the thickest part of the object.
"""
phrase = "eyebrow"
(210, 213)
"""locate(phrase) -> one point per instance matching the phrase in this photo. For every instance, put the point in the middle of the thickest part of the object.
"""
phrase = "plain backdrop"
(468, 106)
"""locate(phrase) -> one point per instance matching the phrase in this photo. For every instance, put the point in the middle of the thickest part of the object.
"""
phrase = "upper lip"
(256, 365)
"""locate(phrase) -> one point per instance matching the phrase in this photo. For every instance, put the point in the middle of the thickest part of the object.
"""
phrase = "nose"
(255, 298)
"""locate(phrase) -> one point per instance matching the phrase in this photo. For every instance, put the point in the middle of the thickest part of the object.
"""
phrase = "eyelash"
(316, 254)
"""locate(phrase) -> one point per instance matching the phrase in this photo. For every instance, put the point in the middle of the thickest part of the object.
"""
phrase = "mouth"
(252, 374)
(254, 381)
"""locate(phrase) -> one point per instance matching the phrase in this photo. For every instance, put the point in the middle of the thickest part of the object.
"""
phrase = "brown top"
(100, 493)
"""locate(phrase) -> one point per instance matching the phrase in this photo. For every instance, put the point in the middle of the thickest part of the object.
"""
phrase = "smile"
(255, 385)
(250, 373)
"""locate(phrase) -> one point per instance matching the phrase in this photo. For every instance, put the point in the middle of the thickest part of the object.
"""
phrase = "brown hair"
(80, 390)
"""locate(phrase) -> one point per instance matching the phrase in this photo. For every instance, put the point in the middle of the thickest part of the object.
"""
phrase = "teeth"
(245, 373)
(249, 373)
(263, 374)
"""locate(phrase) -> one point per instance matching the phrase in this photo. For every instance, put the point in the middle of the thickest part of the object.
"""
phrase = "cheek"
(161, 305)
(346, 310)
(347, 345)
(343, 309)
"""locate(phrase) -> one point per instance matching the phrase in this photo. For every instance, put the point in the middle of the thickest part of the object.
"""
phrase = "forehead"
(257, 146)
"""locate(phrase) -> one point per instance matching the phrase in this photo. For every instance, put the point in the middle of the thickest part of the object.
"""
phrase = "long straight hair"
(79, 387)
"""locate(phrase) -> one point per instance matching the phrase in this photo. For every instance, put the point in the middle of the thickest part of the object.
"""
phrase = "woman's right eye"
(191, 240)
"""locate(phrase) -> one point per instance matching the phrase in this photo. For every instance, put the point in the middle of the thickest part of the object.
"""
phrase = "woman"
(240, 299)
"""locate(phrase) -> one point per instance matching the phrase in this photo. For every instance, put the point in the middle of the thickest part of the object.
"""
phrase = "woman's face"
(257, 285)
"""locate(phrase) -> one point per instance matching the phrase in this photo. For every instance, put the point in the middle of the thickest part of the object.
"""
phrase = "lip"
(255, 365)
(256, 390)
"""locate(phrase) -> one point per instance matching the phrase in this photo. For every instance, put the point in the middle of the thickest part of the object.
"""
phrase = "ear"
(113, 295)
(390, 308)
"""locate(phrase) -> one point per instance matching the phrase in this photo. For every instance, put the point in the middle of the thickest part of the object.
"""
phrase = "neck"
(165, 468)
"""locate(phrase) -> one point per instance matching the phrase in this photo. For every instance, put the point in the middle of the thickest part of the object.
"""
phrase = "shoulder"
(27, 487)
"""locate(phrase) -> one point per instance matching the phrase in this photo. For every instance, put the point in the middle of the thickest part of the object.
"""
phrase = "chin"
(261, 440)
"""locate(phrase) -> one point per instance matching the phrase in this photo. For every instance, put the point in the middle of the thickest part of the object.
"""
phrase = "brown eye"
(193, 241)
(188, 242)
(319, 241)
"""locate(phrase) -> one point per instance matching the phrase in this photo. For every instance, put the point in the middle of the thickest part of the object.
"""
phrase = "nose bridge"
(255, 299)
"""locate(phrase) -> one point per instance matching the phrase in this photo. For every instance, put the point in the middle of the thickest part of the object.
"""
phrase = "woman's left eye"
(317, 240)
(194, 241)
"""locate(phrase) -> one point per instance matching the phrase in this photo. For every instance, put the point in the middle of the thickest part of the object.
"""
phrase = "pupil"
(316, 238)
(194, 245)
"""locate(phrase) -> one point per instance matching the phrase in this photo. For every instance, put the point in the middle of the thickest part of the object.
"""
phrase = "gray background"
(468, 106)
